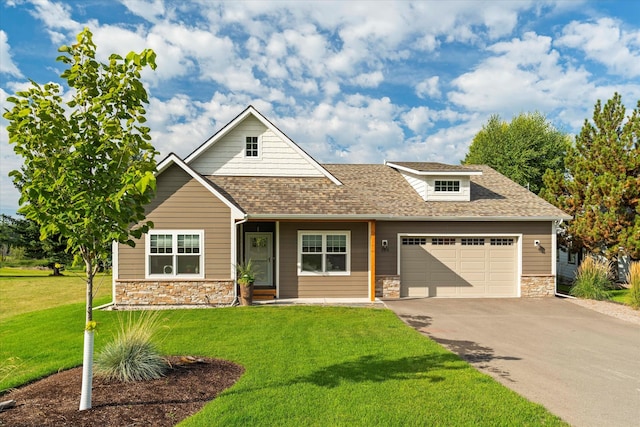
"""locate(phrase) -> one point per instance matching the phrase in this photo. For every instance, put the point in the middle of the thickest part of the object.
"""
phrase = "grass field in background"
(26, 290)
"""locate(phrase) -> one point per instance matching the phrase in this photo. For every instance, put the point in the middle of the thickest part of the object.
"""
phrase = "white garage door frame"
(518, 243)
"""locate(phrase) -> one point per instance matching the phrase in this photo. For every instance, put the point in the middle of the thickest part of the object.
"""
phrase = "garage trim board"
(457, 265)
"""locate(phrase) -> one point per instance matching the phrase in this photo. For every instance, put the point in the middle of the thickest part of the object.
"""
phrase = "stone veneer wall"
(388, 286)
(538, 286)
(192, 292)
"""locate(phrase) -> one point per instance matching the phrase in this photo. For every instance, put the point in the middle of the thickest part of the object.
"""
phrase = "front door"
(258, 247)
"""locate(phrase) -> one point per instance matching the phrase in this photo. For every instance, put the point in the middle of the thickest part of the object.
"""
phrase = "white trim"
(434, 172)
(324, 233)
(554, 256)
(174, 238)
(244, 152)
(236, 213)
(447, 181)
(518, 243)
(250, 110)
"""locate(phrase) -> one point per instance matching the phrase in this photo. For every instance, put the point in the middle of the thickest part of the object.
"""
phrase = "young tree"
(601, 186)
(522, 150)
(88, 163)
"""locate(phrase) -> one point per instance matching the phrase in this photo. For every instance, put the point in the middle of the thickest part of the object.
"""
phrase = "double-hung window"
(173, 253)
(324, 253)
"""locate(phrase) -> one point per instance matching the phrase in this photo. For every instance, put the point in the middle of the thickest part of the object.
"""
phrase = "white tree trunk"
(87, 371)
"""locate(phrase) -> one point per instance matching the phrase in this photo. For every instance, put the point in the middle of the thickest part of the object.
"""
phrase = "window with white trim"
(451, 186)
(324, 252)
(172, 253)
(252, 147)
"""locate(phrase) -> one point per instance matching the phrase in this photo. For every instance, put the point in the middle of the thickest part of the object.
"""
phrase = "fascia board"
(365, 217)
(433, 173)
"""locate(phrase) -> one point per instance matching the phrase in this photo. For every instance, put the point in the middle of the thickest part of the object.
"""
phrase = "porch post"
(372, 260)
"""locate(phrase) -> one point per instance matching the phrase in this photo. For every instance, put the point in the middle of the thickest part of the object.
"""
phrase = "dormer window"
(252, 147)
(449, 186)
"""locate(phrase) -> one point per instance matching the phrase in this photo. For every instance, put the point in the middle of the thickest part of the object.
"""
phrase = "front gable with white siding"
(250, 145)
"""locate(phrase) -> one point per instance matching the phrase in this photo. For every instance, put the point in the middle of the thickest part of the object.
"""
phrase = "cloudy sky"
(355, 81)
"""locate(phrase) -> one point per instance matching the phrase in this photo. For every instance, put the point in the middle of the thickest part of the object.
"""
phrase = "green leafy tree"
(522, 150)
(88, 162)
(601, 186)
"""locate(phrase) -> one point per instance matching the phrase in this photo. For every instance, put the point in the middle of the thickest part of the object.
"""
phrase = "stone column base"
(388, 286)
(537, 286)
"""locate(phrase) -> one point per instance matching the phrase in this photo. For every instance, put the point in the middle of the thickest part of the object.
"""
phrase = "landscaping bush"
(633, 279)
(593, 279)
(131, 356)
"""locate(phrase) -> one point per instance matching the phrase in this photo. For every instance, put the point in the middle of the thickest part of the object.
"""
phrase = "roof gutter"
(365, 217)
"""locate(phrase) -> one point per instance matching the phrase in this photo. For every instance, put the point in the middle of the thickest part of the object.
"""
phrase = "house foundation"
(191, 292)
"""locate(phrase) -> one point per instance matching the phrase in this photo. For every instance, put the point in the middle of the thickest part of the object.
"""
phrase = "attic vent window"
(447, 186)
(251, 147)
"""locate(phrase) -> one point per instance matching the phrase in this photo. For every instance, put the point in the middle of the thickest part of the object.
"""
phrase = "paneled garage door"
(458, 266)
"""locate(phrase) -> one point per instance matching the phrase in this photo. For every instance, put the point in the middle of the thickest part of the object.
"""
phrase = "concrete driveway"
(581, 365)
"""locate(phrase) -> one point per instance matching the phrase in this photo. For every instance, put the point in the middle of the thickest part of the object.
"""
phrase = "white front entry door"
(258, 248)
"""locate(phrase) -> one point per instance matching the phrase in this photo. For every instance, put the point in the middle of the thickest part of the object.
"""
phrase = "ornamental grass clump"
(132, 356)
(633, 280)
(593, 279)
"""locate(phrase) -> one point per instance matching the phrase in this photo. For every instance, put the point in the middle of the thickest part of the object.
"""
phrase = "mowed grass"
(304, 365)
(25, 290)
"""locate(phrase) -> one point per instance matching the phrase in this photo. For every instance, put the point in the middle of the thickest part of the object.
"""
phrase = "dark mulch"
(186, 388)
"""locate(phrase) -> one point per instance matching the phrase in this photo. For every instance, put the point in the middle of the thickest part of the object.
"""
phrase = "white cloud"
(7, 65)
(149, 10)
(429, 88)
(606, 42)
(55, 15)
(521, 72)
(372, 79)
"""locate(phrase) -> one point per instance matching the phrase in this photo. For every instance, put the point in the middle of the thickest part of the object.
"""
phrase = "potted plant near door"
(246, 277)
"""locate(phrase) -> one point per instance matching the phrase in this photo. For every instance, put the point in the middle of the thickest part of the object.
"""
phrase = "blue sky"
(356, 82)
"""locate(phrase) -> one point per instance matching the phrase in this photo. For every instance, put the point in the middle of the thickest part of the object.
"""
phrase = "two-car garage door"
(433, 266)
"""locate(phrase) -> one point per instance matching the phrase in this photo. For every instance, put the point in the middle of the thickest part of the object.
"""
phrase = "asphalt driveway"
(581, 365)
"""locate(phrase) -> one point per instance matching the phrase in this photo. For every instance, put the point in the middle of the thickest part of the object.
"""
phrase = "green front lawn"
(304, 366)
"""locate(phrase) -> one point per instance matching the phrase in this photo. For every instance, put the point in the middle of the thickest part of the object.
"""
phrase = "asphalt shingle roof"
(380, 191)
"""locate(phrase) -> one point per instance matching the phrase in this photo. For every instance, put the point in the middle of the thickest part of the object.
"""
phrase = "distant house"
(392, 230)
(568, 263)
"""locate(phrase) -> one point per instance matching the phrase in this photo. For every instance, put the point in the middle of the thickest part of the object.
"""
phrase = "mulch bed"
(188, 385)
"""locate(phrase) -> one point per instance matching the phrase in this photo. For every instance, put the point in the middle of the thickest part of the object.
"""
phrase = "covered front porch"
(309, 259)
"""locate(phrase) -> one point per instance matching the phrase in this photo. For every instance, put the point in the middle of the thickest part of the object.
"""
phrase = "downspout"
(554, 258)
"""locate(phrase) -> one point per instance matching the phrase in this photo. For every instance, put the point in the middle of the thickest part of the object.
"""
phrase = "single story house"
(392, 230)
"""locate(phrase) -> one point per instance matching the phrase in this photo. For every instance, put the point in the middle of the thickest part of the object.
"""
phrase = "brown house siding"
(182, 203)
(534, 261)
(356, 285)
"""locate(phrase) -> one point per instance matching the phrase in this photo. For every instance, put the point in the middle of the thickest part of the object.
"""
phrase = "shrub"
(593, 279)
(633, 279)
(131, 356)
